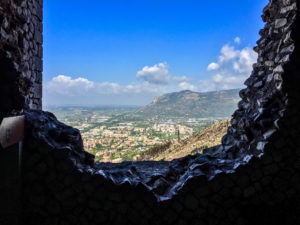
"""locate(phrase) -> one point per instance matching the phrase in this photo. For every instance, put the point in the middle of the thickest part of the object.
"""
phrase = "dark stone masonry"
(21, 52)
(252, 178)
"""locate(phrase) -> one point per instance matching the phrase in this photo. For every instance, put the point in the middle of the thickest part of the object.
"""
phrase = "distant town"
(116, 134)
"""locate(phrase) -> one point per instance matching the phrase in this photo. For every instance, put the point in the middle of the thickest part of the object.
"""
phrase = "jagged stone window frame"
(256, 160)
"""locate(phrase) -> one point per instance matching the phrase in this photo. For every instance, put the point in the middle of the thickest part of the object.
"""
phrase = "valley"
(131, 133)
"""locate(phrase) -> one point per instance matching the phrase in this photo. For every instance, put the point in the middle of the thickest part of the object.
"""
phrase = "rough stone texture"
(252, 178)
(21, 55)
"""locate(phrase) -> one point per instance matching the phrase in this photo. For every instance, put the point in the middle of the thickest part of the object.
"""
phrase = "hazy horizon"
(87, 105)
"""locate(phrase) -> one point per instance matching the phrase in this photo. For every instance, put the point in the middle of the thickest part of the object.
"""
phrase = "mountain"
(196, 143)
(194, 104)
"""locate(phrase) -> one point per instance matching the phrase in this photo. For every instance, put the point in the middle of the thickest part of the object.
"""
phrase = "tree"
(99, 146)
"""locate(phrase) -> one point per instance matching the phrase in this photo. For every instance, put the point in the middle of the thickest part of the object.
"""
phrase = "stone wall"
(21, 53)
(252, 178)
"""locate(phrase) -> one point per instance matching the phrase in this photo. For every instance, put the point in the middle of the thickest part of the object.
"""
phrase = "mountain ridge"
(196, 104)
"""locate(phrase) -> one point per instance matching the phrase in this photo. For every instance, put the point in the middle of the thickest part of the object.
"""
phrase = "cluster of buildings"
(112, 144)
(173, 129)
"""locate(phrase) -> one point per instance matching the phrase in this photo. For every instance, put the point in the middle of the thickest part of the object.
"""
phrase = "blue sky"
(126, 52)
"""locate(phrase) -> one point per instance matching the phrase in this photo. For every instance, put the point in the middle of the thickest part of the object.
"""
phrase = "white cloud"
(66, 85)
(217, 78)
(221, 82)
(63, 84)
(247, 57)
(228, 80)
(237, 40)
(231, 70)
(187, 86)
(156, 74)
(213, 66)
(107, 88)
(228, 53)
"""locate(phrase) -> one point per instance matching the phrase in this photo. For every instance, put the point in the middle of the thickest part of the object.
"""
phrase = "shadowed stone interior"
(251, 178)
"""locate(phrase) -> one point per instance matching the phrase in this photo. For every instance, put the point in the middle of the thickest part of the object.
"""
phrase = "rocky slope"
(206, 138)
(196, 104)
